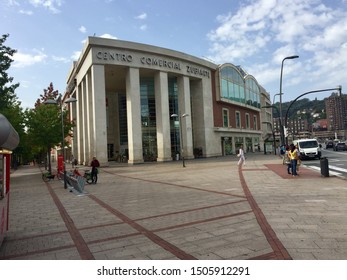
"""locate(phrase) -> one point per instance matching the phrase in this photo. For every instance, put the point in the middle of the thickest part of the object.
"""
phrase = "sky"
(255, 34)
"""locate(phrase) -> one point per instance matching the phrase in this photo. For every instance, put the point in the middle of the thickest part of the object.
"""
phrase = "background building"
(336, 111)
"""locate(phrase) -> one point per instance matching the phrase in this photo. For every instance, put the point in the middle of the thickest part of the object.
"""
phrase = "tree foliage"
(48, 124)
(10, 107)
(7, 90)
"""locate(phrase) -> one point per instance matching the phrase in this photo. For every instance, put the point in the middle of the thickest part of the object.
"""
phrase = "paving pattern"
(211, 209)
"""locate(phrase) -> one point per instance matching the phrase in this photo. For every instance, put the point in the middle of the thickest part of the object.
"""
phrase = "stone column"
(73, 117)
(134, 116)
(186, 122)
(85, 117)
(99, 129)
(84, 122)
(202, 111)
(80, 123)
(162, 117)
(89, 119)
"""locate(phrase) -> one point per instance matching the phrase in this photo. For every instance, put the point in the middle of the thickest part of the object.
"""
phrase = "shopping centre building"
(138, 102)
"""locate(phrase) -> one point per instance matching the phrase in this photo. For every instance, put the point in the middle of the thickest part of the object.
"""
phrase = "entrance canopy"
(9, 138)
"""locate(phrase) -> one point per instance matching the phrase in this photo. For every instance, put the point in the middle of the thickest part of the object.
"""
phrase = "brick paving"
(211, 209)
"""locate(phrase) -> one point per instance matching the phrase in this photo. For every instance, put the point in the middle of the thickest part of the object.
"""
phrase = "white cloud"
(108, 36)
(262, 32)
(82, 29)
(143, 27)
(60, 59)
(51, 5)
(13, 3)
(26, 12)
(22, 60)
(75, 56)
(141, 16)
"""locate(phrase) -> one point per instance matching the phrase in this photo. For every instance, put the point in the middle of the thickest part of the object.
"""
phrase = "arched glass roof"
(238, 86)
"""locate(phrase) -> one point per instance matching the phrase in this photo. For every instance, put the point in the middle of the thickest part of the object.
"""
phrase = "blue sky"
(256, 34)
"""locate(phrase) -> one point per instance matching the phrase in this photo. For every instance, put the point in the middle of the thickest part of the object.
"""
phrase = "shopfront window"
(228, 146)
(238, 143)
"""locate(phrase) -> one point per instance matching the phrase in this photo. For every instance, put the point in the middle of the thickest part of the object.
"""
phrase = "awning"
(9, 138)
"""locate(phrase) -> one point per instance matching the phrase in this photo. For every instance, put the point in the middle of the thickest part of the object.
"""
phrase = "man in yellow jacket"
(294, 156)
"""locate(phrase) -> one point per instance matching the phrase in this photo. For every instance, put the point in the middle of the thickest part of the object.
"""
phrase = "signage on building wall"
(152, 61)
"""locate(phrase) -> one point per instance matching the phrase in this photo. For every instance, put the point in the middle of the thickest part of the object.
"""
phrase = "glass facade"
(174, 121)
(148, 118)
(237, 88)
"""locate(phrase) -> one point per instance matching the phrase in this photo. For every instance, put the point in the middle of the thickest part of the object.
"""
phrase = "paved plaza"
(209, 210)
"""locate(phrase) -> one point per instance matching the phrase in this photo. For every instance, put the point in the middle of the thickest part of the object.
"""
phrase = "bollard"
(324, 167)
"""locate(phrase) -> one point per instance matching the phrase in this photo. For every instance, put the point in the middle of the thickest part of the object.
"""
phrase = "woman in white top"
(241, 155)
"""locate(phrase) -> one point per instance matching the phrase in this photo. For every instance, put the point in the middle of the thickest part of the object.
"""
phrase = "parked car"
(340, 146)
(329, 145)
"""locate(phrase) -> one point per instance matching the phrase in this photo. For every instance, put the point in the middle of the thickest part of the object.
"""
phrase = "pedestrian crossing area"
(333, 169)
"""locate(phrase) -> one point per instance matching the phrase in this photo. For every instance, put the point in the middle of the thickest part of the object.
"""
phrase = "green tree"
(45, 124)
(8, 98)
(9, 104)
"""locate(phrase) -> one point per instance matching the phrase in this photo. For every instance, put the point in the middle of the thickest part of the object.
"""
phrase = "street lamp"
(181, 135)
(59, 101)
(281, 128)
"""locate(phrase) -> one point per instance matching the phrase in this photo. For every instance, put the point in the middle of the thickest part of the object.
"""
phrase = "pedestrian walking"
(94, 164)
(241, 155)
(287, 160)
(72, 160)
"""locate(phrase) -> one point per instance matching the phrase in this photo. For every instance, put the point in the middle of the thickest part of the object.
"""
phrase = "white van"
(309, 148)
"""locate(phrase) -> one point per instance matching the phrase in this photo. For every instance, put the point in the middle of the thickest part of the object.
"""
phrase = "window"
(255, 123)
(225, 118)
(238, 119)
(247, 121)
(236, 85)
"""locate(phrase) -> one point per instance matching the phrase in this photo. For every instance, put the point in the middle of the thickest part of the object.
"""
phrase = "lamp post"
(181, 135)
(59, 101)
(281, 126)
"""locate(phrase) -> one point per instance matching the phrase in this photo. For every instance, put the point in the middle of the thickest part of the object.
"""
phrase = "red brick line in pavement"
(279, 250)
(77, 238)
(172, 184)
(149, 234)
(269, 256)
(121, 236)
(165, 214)
(26, 254)
(8, 240)
(191, 210)
(203, 221)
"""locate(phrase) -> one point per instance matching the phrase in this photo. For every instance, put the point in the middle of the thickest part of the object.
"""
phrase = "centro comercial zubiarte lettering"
(152, 61)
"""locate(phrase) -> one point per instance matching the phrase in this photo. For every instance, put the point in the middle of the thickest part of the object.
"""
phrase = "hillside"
(303, 108)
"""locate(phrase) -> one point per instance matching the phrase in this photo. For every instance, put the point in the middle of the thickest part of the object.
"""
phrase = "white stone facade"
(108, 75)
